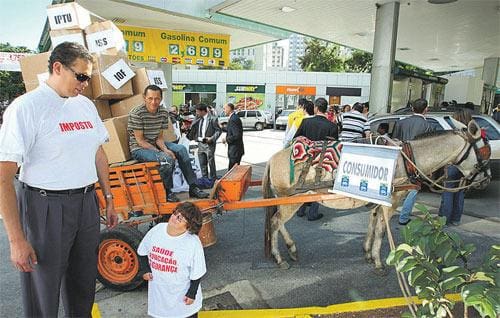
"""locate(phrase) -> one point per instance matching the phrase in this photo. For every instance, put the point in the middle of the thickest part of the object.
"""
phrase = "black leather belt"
(86, 189)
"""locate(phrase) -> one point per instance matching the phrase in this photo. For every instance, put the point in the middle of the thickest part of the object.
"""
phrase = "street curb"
(308, 311)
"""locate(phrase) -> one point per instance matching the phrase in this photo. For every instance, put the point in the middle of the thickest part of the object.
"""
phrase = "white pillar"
(167, 96)
(491, 68)
(384, 49)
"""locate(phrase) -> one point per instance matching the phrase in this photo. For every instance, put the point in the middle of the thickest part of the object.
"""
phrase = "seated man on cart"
(146, 141)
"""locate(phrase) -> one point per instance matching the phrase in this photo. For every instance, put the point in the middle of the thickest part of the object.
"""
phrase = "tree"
(360, 62)
(240, 63)
(11, 83)
(321, 56)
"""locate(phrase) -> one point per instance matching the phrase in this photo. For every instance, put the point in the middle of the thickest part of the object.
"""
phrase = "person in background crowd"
(330, 115)
(54, 134)
(205, 130)
(354, 124)
(174, 284)
(316, 128)
(234, 136)
(309, 109)
(407, 129)
(496, 114)
(346, 108)
(452, 203)
(470, 106)
(383, 129)
(145, 128)
(366, 109)
(294, 121)
(211, 111)
(444, 105)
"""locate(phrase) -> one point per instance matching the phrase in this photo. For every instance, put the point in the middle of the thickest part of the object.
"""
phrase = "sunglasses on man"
(79, 76)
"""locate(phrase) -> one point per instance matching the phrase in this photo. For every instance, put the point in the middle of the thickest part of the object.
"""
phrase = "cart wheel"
(119, 266)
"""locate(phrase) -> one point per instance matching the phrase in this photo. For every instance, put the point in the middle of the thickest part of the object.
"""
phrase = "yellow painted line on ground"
(95, 311)
(308, 311)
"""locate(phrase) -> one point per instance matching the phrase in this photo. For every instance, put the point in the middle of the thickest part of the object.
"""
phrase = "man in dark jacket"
(408, 129)
(316, 128)
(234, 136)
(205, 130)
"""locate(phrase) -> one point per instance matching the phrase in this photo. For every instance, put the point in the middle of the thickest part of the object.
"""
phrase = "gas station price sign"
(175, 47)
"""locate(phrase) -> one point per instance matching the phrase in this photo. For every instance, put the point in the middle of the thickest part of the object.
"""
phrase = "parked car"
(282, 119)
(445, 121)
(249, 118)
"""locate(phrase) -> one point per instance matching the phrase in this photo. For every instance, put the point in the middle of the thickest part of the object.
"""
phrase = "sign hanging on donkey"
(365, 172)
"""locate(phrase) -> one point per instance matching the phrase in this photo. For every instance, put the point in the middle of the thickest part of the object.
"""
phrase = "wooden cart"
(139, 197)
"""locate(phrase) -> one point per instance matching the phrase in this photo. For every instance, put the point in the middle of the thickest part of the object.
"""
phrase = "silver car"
(445, 121)
(249, 118)
(282, 119)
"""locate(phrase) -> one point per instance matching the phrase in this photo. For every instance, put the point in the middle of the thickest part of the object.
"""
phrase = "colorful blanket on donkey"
(303, 149)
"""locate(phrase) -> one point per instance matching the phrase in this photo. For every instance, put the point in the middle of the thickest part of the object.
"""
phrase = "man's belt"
(86, 189)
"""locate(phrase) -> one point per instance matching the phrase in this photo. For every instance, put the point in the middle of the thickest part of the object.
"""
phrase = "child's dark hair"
(193, 216)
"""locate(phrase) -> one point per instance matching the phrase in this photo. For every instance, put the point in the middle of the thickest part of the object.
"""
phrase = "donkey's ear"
(474, 130)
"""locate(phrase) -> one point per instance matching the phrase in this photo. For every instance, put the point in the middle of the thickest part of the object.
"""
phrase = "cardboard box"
(117, 149)
(102, 89)
(169, 134)
(73, 35)
(103, 109)
(105, 38)
(140, 81)
(68, 16)
(123, 107)
(35, 70)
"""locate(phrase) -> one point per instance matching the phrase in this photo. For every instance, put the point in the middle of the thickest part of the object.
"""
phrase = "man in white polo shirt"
(54, 135)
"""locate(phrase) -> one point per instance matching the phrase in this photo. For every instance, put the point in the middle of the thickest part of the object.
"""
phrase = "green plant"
(436, 263)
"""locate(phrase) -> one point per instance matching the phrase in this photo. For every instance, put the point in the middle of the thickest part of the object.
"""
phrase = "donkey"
(431, 153)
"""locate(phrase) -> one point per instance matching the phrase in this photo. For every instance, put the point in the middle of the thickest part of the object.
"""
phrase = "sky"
(22, 21)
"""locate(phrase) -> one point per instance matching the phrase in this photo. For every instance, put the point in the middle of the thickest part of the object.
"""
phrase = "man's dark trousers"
(206, 156)
(64, 232)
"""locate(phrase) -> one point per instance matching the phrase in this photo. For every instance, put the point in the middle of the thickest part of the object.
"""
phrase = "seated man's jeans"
(182, 156)
(452, 203)
(408, 204)
(166, 162)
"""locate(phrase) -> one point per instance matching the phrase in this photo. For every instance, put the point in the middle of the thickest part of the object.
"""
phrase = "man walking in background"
(234, 136)
(407, 129)
(205, 130)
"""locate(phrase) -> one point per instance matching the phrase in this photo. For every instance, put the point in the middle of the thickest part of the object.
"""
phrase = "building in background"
(297, 49)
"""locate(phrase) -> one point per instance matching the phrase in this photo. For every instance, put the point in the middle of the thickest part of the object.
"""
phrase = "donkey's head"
(474, 158)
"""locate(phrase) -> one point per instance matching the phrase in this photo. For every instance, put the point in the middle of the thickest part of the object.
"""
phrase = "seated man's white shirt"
(53, 139)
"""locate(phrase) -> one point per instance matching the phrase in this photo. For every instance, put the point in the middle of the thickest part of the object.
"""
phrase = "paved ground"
(330, 269)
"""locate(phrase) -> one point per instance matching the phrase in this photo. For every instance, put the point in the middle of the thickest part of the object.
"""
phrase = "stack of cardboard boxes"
(115, 88)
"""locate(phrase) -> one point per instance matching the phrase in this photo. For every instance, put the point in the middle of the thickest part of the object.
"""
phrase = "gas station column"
(384, 48)
(167, 71)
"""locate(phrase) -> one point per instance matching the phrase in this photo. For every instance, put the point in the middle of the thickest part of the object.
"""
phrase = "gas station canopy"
(441, 35)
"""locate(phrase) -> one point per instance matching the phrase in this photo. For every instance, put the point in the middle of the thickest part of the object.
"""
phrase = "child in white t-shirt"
(177, 264)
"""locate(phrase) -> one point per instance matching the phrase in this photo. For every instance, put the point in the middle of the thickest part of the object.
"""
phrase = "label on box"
(42, 77)
(118, 74)
(157, 77)
(75, 37)
(101, 41)
(61, 17)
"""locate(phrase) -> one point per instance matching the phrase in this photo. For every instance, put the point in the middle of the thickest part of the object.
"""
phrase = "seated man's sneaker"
(195, 192)
(171, 197)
